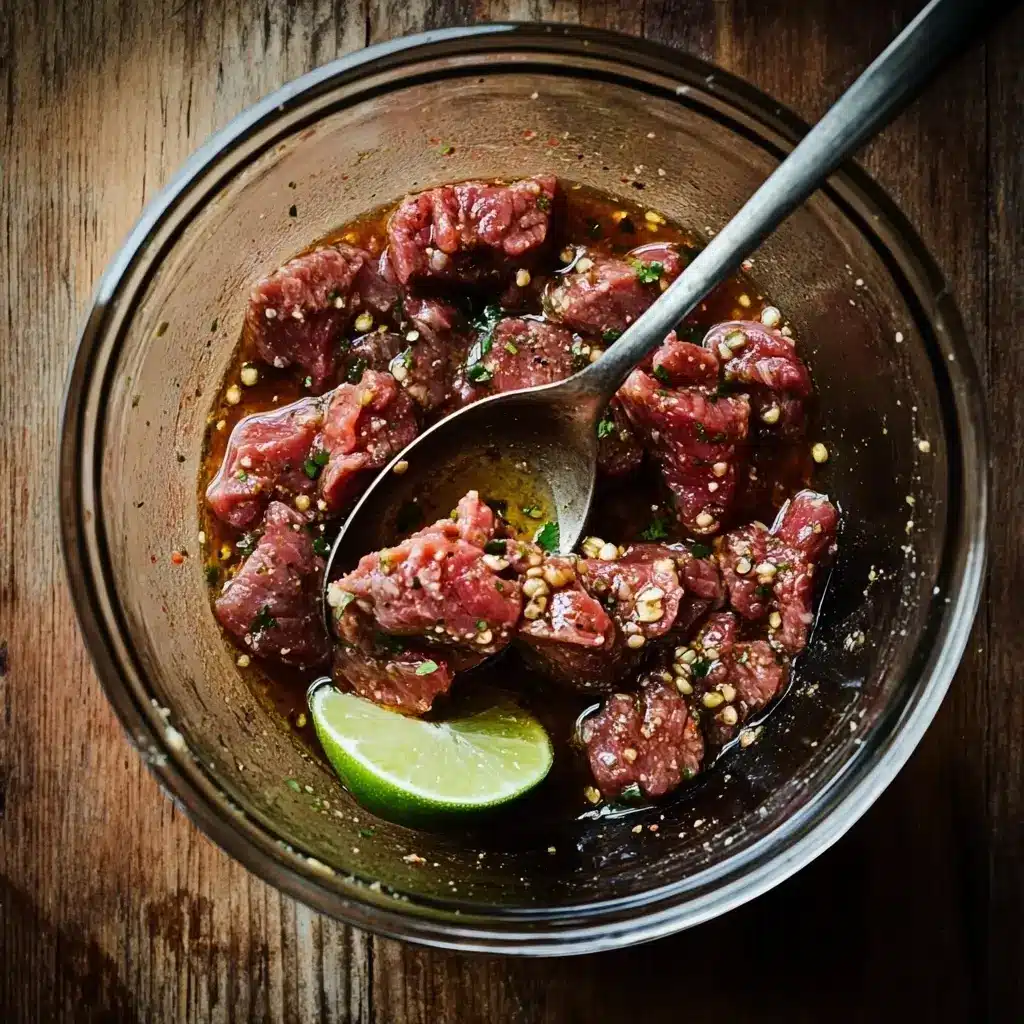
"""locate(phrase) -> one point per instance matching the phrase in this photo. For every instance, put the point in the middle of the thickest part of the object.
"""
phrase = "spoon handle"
(939, 30)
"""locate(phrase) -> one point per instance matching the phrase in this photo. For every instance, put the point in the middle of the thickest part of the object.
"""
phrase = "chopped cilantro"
(307, 382)
(648, 273)
(662, 374)
(547, 536)
(212, 575)
(321, 547)
(479, 374)
(263, 621)
(499, 586)
(242, 475)
(632, 794)
(481, 625)
(495, 547)
(355, 371)
(743, 658)
(426, 668)
(316, 461)
(293, 785)
(699, 550)
(543, 203)
(700, 668)
(656, 530)
(447, 149)
(246, 544)
(606, 427)
(763, 590)
(610, 335)
(367, 833)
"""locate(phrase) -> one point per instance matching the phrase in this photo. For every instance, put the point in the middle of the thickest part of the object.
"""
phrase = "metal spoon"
(550, 432)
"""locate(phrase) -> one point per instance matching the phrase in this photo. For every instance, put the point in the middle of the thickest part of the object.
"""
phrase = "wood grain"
(113, 907)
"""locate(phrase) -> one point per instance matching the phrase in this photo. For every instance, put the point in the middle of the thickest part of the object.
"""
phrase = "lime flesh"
(481, 755)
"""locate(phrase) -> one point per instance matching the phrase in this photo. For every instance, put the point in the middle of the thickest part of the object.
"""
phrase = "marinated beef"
(512, 355)
(439, 584)
(273, 605)
(619, 451)
(264, 459)
(696, 438)
(453, 232)
(764, 360)
(602, 295)
(366, 425)
(770, 573)
(298, 314)
(646, 739)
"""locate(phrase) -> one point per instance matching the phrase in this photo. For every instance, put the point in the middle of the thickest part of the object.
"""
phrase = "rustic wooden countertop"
(114, 907)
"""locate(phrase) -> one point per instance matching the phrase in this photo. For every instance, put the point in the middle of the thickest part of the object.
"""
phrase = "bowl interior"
(691, 155)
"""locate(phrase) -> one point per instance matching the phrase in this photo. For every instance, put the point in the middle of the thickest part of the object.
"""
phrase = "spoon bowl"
(537, 446)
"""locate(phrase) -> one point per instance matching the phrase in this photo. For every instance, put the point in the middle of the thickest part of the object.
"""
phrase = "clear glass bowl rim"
(826, 816)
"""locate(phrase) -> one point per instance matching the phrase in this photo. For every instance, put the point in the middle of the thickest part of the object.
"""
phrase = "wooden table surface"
(113, 907)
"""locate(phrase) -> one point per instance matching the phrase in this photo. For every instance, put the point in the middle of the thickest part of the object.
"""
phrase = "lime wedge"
(486, 752)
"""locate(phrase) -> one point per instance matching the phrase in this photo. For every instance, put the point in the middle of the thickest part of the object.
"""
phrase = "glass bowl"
(903, 423)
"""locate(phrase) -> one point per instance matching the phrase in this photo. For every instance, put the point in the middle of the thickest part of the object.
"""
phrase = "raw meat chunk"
(696, 439)
(264, 459)
(513, 355)
(647, 739)
(366, 424)
(439, 584)
(618, 449)
(771, 573)
(273, 605)
(298, 314)
(431, 233)
(603, 294)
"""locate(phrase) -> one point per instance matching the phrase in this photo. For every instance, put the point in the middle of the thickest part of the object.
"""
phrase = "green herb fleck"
(367, 833)
(242, 475)
(548, 537)
(343, 602)
(293, 785)
(495, 547)
(662, 374)
(263, 621)
(701, 432)
(543, 203)
(763, 590)
(499, 586)
(699, 550)
(212, 575)
(321, 547)
(316, 461)
(632, 795)
(447, 149)
(511, 348)
(426, 668)
(648, 273)
(605, 427)
(610, 335)
(700, 668)
(479, 374)
(533, 511)
(657, 529)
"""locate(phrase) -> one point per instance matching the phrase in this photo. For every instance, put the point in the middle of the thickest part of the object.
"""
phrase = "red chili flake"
(553, 142)
(177, 558)
(529, 134)
(152, 558)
